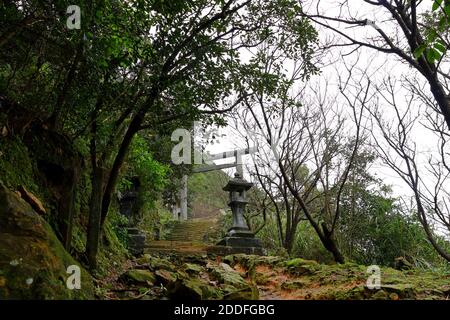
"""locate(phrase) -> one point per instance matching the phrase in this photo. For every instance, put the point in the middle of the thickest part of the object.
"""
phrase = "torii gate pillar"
(183, 198)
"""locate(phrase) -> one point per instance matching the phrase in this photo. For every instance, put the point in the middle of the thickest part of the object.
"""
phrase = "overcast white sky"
(381, 66)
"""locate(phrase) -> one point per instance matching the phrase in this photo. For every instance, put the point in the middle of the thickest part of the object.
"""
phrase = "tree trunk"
(330, 244)
(325, 236)
(118, 162)
(289, 241)
(423, 220)
(441, 98)
(94, 227)
(290, 236)
(133, 128)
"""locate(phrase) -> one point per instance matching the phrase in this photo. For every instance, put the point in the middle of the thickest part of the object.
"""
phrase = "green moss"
(301, 267)
(250, 261)
(78, 238)
(246, 293)
(226, 276)
(261, 278)
(294, 284)
(112, 253)
(138, 277)
(156, 263)
(32, 260)
(191, 268)
(16, 166)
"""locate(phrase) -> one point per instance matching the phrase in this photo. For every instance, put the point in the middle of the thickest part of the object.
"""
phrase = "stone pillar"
(239, 166)
(127, 203)
(183, 198)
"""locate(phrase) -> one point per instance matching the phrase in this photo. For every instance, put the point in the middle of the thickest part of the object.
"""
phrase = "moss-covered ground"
(254, 277)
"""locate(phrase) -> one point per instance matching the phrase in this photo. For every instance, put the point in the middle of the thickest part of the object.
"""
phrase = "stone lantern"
(239, 237)
(128, 203)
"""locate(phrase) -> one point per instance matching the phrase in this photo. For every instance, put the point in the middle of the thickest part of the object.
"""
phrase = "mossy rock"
(199, 259)
(401, 263)
(192, 269)
(404, 291)
(226, 275)
(356, 293)
(165, 277)
(138, 277)
(156, 263)
(380, 295)
(33, 262)
(294, 284)
(248, 260)
(193, 289)
(249, 292)
(300, 266)
(185, 289)
(16, 166)
(233, 285)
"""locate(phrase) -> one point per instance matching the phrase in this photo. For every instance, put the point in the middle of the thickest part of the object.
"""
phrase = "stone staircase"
(186, 237)
(195, 230)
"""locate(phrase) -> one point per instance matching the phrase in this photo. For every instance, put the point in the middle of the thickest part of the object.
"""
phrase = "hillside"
(107, 108)
(206, 197)
(247, 277)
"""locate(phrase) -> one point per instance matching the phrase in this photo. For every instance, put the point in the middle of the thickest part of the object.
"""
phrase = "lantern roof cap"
(237, 184)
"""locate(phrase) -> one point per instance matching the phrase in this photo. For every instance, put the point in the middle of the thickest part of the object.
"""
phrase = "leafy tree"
(137, 66)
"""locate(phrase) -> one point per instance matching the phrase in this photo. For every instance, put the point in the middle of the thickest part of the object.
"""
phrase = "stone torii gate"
(180, 211)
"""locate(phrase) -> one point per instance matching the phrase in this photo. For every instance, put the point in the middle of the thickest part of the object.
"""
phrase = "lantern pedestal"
(239, 238)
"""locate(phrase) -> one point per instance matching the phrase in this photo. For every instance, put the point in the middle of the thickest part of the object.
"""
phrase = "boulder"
(33, 262)
(223, 273)
(193, 289)
(138, 277)
(232, 283)
(404, 291)
(192, 269)
(300, 266)
(245, 293)
(185, 290)
(156, 263)
(165, 277)
(380, 295)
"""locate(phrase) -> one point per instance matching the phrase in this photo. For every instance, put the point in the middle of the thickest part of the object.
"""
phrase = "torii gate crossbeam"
(237, 154)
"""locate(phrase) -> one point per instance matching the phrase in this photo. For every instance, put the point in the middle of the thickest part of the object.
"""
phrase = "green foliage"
(157, 219)
(112, 253)
(152, 173)
(308, 245)
(205, 194)
(379, 232)
(435, 28)
(16, 166)
(119, 225)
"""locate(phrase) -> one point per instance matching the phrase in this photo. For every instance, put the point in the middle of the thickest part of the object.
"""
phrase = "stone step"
(177, 247)
(178, 244)
(192, 230)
